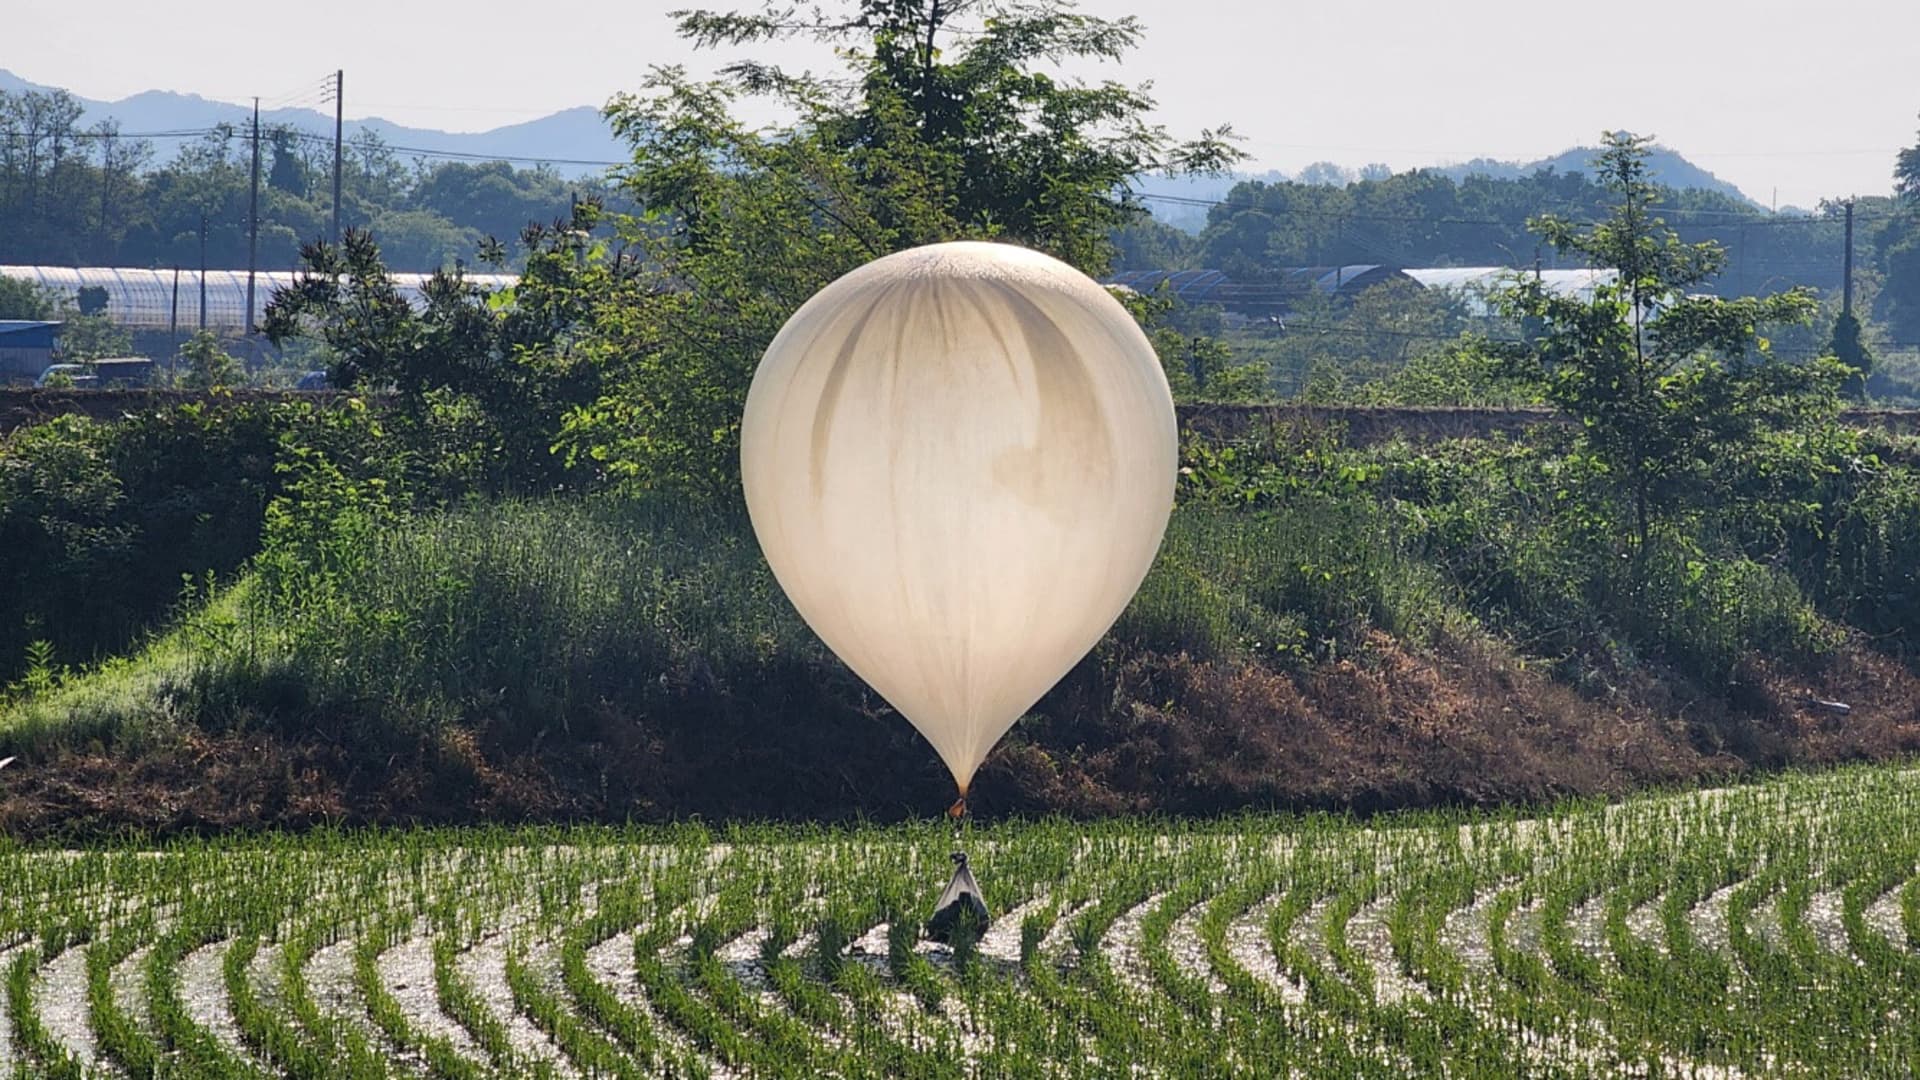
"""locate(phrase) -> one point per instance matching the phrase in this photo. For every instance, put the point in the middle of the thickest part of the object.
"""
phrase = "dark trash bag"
(961, 899)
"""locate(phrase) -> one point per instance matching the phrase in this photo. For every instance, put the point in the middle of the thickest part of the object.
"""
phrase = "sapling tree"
(207, 366)
(1662, 379)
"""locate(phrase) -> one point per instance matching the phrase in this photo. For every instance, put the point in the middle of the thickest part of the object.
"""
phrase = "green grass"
(1574, 944)
(129, 698)
(531, 614)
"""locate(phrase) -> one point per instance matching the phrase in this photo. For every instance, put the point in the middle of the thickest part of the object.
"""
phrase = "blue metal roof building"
(26, 347)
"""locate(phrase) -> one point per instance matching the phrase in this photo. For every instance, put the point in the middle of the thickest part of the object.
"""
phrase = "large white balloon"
(959, 461)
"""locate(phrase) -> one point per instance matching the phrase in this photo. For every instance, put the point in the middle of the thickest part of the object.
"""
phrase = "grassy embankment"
(1326, 627)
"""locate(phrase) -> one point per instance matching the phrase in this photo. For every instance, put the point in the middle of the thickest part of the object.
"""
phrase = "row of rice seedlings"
(1432, 1032)
(441, 1057)
(30, 1036)
(117, 1033)
(1208, 1031)
(1342, 1016)
(1480, 1022)
(1674, 1002)
(850, 1007)
(590, 1051)
(1685, 1001)
(1162, 1034)
(191, 1049)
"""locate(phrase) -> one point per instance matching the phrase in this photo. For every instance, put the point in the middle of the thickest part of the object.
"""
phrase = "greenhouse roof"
(1578, 283)
(148, 299)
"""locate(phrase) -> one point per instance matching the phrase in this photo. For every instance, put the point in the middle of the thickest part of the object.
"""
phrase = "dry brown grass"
(1462, 723)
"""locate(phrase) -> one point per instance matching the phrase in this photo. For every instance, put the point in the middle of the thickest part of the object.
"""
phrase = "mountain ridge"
(1665, 165)
(575, 141)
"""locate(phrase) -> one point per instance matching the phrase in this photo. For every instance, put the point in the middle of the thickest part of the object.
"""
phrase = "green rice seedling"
(1758, 930)
(28, 1031)
(586, 1048)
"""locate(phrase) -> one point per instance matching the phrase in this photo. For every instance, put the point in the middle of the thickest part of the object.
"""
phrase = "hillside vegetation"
(1331, 627)
(522, 586)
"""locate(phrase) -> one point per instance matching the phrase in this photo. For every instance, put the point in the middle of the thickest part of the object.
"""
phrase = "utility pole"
(253, 215)
(339, 112)
(106, 178)
(203, 270)
(1740, 277)
(173, 320)
(1846, 286)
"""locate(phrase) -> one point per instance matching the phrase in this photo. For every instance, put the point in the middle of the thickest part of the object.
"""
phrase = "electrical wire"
(1415, 219)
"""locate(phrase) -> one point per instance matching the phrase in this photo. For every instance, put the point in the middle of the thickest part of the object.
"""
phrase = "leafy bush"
(101, 522)
(208, 366)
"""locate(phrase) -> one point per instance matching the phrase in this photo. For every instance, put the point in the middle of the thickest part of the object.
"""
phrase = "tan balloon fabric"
(959, 461)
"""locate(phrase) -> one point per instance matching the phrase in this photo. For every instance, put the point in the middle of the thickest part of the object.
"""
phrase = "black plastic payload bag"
(961, 900)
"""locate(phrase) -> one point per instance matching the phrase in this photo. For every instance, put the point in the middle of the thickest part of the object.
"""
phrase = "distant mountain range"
(576, 140)
(1666, 166)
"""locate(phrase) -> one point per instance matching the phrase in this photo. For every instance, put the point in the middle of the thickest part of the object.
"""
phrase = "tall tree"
(121, 159)
(955, 87)
(945, 126)
(507, 361)
(1906, 173)
(289, 170)
(1900, 251)
(1661, 380)
(24, 299)
(1849, 347)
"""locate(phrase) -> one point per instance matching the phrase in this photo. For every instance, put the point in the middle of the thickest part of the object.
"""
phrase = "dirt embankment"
(1462, 724)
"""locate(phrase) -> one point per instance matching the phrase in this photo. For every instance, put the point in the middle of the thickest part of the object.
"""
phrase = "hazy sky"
(1809, 99)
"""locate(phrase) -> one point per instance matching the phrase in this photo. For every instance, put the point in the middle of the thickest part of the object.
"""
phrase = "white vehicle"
(75, 375)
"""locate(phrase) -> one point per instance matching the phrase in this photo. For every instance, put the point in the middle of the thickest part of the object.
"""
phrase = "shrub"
(101, 522)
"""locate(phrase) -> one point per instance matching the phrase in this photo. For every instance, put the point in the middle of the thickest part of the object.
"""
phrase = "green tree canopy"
(947, 125)
(1661, 379)
(23, 299)
(481, 379)
(93, 337)
(1906, 173)
(208, 365)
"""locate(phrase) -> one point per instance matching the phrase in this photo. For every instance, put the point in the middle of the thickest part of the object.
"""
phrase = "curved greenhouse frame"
(159, 299)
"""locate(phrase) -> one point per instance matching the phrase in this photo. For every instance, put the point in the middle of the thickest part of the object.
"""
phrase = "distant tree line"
(1424, 218)
(74, 195)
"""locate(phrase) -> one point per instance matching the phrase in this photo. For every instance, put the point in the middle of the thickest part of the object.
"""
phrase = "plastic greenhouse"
(151, 299)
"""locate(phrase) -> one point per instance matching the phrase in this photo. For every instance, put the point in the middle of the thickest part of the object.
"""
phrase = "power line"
(313, 91)
(177, 133)
(309, 136)
(465, 155)
(1735, 222)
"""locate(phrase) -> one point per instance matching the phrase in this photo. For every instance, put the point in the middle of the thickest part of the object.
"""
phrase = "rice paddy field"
(1763, 930)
